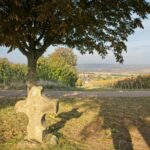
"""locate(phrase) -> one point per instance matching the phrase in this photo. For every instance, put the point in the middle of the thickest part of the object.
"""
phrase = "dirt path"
(50, 93)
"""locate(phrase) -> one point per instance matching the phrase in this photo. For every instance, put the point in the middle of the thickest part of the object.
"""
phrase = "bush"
(64, 73)
(43, 69)
(11, 72)
(79, 83)
(58, 67)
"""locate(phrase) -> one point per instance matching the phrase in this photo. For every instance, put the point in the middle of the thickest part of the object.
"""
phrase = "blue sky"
(138, 50)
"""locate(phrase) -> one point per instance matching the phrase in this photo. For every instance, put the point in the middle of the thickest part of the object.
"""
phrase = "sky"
(138, 50)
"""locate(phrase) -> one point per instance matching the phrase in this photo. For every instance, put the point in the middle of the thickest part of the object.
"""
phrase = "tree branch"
(41, 50)
(45, 45)
(40, 37)
(22, 49)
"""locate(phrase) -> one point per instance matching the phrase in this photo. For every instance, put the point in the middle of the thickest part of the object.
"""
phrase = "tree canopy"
(65, 55)
(88, 25)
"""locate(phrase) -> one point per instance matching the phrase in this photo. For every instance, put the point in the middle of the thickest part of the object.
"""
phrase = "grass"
(85, 124)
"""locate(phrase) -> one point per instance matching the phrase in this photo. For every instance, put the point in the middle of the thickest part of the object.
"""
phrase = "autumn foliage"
(59, 66)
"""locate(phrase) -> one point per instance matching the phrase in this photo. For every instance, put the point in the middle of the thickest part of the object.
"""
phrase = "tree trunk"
(32, 63)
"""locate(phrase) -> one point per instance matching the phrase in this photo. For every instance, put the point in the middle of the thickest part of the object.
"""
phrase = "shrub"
(11, 72)
(58, 67)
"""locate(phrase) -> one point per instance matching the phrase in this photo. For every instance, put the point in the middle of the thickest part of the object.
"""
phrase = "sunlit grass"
(95, 123)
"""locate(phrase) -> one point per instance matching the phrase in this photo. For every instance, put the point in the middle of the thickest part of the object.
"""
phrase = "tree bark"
(32, 65)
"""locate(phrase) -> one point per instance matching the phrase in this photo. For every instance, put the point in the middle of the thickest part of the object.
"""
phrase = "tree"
(62, 63)
(65, 55)
(89, 25)
(59, 66)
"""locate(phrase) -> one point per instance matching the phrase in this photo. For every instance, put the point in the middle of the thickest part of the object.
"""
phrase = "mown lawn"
(85, 124)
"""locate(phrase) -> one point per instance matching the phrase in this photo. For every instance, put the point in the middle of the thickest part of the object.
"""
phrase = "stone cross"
(35, 107)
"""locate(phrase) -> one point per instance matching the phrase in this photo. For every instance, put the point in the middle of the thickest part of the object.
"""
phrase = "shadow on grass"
(65, 116)
(7, 102)
(115, 118)
(118, 116)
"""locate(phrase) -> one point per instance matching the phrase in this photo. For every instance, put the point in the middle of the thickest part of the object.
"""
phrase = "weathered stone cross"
(35, 107)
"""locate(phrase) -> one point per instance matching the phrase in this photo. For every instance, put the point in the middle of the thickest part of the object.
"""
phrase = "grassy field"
(85, 124)
(115, 81)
